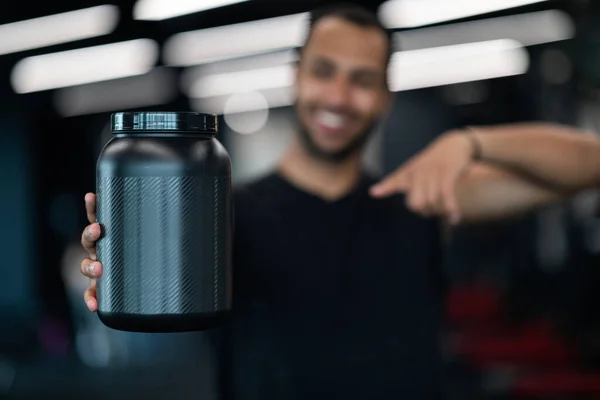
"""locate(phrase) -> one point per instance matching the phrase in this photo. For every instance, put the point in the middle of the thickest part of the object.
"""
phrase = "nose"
(337, 94)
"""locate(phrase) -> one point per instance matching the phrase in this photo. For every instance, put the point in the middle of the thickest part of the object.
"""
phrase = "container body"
(164, 205)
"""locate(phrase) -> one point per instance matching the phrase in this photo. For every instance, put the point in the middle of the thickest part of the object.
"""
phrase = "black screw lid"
(159, 121)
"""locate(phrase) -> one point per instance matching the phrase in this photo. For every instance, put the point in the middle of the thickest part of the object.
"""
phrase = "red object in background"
(476, 313)
(532, 345)
(559, 383)
(474, 305)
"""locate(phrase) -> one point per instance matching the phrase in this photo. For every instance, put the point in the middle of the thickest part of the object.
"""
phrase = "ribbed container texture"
(164, 205)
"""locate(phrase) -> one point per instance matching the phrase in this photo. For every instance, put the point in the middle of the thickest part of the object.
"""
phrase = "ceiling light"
(529, 29)
(408, 70)
(58, 28)
(87, 65)
(266, 60)
(243, 81)
(455, 64)
(232, 41)
(156, 10)
(396, 14)
(240, 103)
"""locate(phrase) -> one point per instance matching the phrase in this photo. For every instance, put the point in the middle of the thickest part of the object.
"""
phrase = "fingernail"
(89, 304)
(91, 230)
(91, 268)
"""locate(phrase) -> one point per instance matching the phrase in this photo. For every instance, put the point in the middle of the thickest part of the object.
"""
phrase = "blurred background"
(521, 316)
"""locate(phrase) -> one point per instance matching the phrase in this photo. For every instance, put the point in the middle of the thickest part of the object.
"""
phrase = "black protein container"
(164, 205)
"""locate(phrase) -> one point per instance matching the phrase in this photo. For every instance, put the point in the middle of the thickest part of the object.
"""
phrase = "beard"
(339, 156)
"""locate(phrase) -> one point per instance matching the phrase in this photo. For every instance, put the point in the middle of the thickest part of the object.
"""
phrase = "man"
(337, 284)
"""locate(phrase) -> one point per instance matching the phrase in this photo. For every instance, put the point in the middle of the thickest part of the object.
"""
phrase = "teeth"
(331, 119)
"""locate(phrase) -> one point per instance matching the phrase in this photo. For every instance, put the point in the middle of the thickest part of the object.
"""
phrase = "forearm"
(486, 193)
(556, 155)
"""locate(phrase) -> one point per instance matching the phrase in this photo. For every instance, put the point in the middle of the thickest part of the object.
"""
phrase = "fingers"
(449, 201)
(430, 190)
(415, 199)
(397, 182)
(91, 269)
(90, 297)
(90, 207)
(89, 266)
(421, 196)
(432, 193)
(89, 237)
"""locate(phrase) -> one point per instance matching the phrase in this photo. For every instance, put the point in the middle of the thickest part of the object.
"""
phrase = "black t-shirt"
(332, 300)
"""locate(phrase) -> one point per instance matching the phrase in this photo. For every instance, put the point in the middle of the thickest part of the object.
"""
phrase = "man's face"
(341, 87)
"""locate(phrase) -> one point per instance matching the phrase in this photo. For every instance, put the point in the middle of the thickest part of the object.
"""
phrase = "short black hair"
(355, 14)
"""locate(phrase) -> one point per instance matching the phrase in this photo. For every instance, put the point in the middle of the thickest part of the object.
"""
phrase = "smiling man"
(341, 87)
(337, 286)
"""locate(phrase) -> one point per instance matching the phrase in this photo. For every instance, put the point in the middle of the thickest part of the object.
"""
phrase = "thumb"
(394, 183)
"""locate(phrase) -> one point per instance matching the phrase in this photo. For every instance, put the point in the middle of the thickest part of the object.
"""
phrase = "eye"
(322, 70)
(366, 80)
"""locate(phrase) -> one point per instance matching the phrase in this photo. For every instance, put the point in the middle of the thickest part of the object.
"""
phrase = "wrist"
(472, 137)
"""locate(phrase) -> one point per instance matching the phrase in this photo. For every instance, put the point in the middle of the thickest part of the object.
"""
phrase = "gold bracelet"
(477, 153)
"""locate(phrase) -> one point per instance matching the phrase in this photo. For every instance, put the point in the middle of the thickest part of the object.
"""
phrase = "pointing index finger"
(395, 183)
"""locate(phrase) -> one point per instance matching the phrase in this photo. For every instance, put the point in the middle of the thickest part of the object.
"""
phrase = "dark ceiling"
(160, 30)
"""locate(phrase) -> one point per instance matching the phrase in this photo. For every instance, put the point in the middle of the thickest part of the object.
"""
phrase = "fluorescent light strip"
(58, 28)
(87, 65)
(154, 88)
(396, 14)
(278, 97)
(243, 81)
(192, 74)
(529, 29)
(157, 10)
(408, 69)
(232, 41)
(456, 64)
